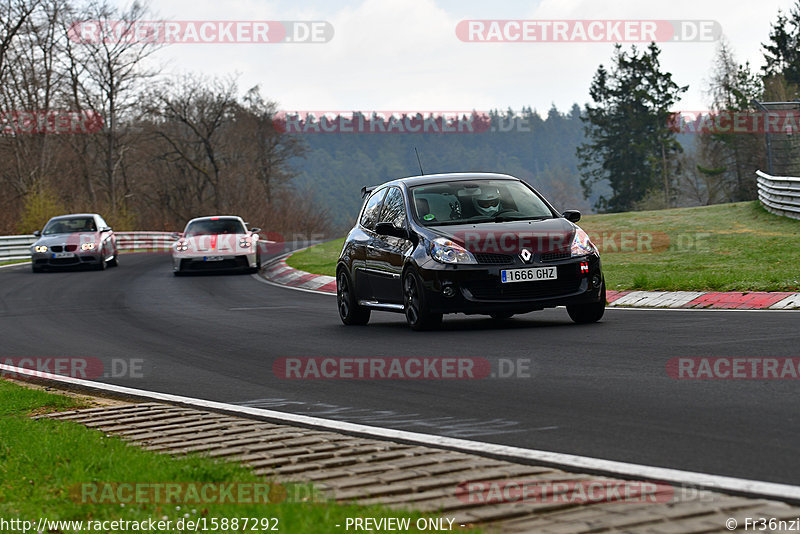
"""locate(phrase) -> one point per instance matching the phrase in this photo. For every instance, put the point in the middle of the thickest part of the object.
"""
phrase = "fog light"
(596, 280)
(448, 291)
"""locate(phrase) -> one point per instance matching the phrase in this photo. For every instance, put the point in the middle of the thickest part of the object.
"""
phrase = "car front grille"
(239, 262)
(494, 259)
(494, 290)
(554, 256)
(506, 259)
(63, 248)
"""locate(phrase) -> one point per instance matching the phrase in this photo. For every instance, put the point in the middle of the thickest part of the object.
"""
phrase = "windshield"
(70, 226)
(477, 201)
(215, 226)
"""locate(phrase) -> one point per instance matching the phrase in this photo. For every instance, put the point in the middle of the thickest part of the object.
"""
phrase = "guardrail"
(779, 194)
(15, 247)
(144, 241)
(18, 247)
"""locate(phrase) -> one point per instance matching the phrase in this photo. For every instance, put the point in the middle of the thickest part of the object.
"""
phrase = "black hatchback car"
(474, 243)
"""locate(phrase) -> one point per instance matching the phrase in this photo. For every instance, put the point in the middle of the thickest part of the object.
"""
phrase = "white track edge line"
(754, 310)
(15, 264)
(270, 282)
(609, 467)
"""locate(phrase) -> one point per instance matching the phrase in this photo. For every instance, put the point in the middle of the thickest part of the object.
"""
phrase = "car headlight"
(244, 242)
(40, 248)
(87, 246)
(446, 251)
(181, 246)
(581, 244)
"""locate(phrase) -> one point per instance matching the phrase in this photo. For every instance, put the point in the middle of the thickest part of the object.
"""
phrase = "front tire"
(36, 269)
(417, 314)
(591, 312)
(350, 312)
(114, 261)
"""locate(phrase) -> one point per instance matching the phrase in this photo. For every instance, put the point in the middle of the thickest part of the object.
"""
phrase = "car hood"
(75, 238)
(537, 236)
(215, 242)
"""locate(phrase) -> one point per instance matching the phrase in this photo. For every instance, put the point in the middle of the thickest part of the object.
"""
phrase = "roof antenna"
(418, 161)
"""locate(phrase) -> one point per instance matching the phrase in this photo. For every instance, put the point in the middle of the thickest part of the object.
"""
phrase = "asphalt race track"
(599, 390)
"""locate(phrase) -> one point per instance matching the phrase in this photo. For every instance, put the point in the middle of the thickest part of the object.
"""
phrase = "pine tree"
(782, 52)
(629, 143)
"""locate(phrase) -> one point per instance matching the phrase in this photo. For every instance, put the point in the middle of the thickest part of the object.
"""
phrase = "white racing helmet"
(487, 201)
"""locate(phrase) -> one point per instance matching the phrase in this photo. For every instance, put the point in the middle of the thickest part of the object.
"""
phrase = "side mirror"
(37, 233)
(385, 228)
(177, 235)
(255, 230)
(105, 228)
(572, 215)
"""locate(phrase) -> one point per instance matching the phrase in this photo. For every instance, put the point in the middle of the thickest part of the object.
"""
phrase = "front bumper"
(49, 259)
(477, 289)
(213, 262)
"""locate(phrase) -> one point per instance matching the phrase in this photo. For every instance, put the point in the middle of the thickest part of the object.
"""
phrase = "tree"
(13, 16)
(273, 150)
(733, 87)
(629, 144)
(31, 83)
(192, 119)
(782, 51)
(107, 78)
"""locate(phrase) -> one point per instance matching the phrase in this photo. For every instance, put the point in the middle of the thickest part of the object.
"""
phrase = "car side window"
(373, 207)
(394, 209)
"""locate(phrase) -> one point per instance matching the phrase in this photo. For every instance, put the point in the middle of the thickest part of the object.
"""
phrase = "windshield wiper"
(506, 218)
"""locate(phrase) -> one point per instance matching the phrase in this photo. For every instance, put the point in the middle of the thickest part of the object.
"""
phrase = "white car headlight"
(87, 246)
(581, 244)
(244, 242)
(446, 251)
(40, 248)
(181, 246)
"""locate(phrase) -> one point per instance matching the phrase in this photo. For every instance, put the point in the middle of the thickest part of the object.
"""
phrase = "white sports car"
(216, 244)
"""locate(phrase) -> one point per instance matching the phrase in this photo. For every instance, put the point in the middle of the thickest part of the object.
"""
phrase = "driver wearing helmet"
(487, 201)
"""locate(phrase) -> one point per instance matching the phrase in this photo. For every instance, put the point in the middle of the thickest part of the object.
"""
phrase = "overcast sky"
(405, 54)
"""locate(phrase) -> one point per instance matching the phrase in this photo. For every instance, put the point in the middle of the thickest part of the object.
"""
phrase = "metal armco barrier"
(144, 241)
(15, 247)
(779, 194)
(18, 247)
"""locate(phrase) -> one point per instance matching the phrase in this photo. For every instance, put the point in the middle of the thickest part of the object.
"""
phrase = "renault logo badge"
(525, 255)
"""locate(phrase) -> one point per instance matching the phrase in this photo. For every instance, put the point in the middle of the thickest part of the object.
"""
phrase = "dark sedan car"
(80, 239)
(473, 243)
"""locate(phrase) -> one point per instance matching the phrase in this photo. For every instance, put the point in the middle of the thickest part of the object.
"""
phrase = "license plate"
(213, 258)
(528, 275)
(63, 254)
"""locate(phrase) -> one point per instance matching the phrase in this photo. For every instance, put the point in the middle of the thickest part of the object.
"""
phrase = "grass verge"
(318, 259)
(726, 247)
(44, 462)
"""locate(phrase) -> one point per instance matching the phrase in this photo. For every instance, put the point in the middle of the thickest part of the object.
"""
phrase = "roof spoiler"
(367, 189)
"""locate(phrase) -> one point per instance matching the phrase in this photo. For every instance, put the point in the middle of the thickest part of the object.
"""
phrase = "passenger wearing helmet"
(487, 201)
